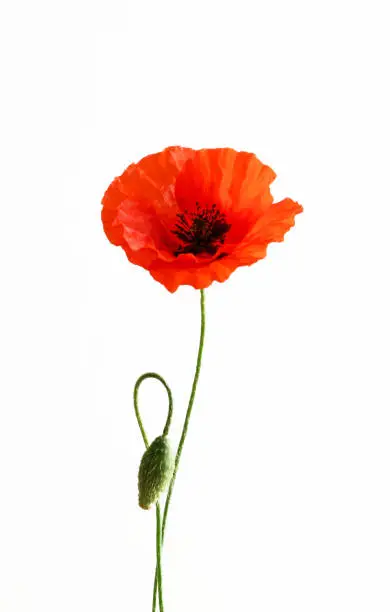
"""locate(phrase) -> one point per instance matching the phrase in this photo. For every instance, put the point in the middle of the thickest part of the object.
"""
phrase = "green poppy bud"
(155, 471)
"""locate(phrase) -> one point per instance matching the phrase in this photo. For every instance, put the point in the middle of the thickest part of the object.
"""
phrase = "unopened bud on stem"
(155, 471)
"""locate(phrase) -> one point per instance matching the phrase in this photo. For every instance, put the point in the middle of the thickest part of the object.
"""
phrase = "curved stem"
(137, 414)
(158, 575)
(189, 409)
(185, 429)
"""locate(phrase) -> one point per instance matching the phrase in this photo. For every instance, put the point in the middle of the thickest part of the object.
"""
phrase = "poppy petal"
(139, 205)
(236, 180)
(273, 225)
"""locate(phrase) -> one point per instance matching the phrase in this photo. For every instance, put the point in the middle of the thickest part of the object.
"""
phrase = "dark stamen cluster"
(201, 231)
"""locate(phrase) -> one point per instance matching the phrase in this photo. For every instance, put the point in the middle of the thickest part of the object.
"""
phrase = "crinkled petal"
(139, 206)
(237, 181)
(272, 225)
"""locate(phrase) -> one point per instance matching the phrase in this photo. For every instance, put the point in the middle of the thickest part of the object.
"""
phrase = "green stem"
(184, 432)
(136, 409)
(158, 554)
(189, 409)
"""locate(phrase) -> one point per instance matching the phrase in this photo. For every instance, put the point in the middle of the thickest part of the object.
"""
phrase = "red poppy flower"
(192, 217)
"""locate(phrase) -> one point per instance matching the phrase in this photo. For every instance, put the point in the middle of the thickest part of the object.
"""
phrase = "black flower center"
(201, 231)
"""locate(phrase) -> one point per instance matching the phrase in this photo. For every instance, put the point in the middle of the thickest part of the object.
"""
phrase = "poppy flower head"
(192, 217)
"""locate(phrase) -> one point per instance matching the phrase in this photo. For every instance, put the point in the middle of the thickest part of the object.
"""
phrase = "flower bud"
(155, 471)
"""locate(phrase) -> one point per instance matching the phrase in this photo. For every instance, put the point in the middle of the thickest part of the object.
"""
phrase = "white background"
(282, 500)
